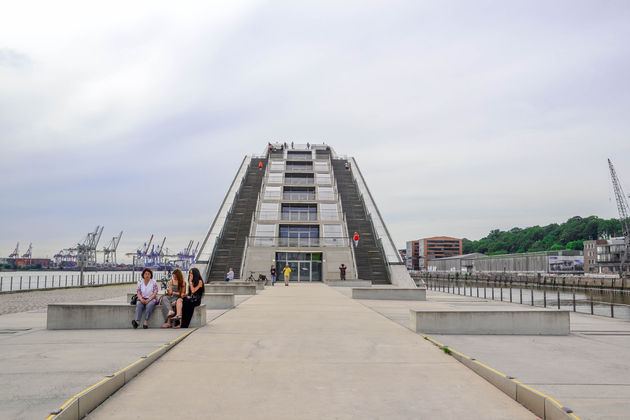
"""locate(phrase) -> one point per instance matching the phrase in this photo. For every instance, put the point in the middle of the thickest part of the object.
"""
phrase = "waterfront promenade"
(308, 352)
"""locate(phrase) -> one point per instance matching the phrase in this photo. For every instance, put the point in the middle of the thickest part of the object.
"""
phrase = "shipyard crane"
(29, 253)
(109, 252)
(141, 253)
(16, 252)
(86, 251)
(624, 212)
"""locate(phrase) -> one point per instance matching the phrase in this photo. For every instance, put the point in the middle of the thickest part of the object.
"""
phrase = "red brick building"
(423, 250)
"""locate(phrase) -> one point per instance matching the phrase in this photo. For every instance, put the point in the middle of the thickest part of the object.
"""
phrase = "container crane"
(624, 211)
(109, 252)
(16, 252)
(29, 253)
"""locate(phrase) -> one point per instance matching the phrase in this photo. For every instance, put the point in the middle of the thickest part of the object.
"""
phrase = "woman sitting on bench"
(147, 292)
(176, 291)
(196, 290)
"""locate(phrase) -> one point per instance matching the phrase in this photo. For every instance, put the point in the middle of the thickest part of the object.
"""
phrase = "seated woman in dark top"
(196, 290)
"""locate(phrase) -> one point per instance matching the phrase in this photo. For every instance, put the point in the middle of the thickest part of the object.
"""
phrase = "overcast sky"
(464, 116)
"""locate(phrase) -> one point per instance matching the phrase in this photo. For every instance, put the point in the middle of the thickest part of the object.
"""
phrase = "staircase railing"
(391, 253)
(215, 233)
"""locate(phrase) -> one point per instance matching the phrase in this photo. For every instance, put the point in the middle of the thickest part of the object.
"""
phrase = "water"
(28, 280)
(546, 296)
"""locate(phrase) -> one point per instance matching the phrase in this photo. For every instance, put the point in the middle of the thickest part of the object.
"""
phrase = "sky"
(464, 116)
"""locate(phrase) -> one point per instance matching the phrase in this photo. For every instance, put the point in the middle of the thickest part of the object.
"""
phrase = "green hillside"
(569, 235)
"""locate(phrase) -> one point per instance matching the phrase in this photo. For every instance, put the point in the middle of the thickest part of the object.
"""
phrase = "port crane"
(29, 253)
(109, 252)
(624, 212)
(86, 251)
(16, 252)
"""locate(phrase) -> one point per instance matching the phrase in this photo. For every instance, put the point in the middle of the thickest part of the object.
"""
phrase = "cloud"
(463, 117)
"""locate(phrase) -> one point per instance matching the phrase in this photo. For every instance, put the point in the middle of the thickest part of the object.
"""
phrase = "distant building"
(603, 255)
(561, 261)
(420, 252)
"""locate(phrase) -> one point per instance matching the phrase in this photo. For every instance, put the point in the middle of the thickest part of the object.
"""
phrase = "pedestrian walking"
(342, 271)
(355, 238)
(273, 274)
(287, 274)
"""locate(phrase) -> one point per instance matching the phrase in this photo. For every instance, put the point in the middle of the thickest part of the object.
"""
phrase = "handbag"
(134, 300)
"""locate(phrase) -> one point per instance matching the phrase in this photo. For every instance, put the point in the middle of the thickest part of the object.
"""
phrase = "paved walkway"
(588, 370)
(307, 352)
(41, 369)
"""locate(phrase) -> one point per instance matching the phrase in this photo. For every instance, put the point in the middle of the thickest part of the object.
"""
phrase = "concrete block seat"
(349, 283)
(490, 322)
(77, 316)
(230, 287)
(211, 300)
(388, 293)
(259, 284)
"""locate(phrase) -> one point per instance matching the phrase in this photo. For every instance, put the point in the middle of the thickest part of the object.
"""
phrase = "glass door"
(304, 271)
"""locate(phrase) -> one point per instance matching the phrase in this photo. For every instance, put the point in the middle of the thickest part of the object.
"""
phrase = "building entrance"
(305, 266)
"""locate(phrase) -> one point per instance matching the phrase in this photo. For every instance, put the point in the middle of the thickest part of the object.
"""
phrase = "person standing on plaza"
(147, 292)
(355, 238)
(287, 274)
(342, 271)
(273, 273)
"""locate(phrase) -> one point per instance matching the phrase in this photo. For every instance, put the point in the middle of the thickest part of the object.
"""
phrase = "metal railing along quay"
(595, 302)
(16, 281)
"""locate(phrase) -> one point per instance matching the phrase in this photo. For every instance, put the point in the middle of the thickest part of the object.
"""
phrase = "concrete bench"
(235, 288)
(349, 283)
(488, 322)
(260, 285)
(218, 300)
(211, 300)
(388, 293)
(78, 316)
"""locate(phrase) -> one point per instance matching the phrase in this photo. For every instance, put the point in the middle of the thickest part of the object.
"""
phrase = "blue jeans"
(273, 279)
(149, 308)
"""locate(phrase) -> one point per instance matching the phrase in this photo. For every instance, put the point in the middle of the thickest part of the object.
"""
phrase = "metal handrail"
(398, 259)
(244, 162)
(319, 242)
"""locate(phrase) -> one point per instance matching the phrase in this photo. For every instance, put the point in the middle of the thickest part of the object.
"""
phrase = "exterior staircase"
(368, 256)
(229, 251)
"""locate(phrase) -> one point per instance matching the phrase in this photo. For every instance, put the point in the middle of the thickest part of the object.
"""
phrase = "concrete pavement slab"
(586, 370)
(308, 352)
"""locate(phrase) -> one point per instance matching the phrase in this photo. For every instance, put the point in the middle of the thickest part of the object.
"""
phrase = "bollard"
(20, 282)
(501, 287)
(477, 289)
(591, 304)
(510, 292)
(532, 292)
(38, 282)
(574, 301)
(492, 292)
(485, 290)
(29, 282)
(520, 292)
(11, 285)
(66, 280)
(45, 281)
(558, 298)
(612, 310)
(1, 278)
(545, 298)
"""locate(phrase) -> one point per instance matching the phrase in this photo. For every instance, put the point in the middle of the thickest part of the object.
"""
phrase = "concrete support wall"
(400, 277)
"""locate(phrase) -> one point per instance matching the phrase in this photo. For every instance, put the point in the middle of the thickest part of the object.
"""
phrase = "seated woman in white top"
(147, 298)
